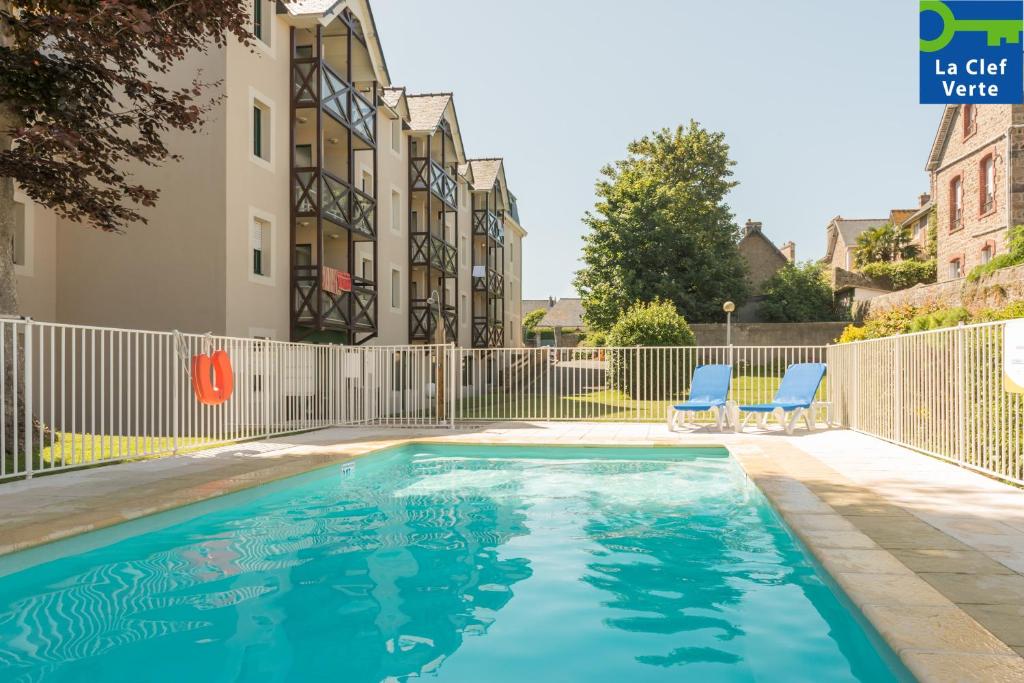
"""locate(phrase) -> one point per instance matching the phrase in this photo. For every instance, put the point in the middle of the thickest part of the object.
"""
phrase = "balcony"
(487, 223)
(487, 334)
(430, 250)
(440, 183)
(343, 204)
(423, 322)
(340, 100)
(491, 282)
(348, 311)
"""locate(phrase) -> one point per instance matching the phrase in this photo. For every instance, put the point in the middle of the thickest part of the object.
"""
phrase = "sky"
(818, 102)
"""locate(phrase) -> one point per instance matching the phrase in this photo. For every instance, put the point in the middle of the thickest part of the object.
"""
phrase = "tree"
(81, 97)
(661, 229)
(532, 319)
(886, 243)
(797, 294)
(644, 374)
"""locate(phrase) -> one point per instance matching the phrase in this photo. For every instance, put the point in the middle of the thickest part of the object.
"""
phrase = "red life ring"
(212, 390)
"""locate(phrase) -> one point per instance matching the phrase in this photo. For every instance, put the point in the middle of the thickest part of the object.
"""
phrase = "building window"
(367, 183)
(396, 135)
(303, 156)
(259, 245)
(396, 289)
(464, 251)
(261, 17)
(261, 128)
(970, 120)
(987, 184)
(396, 211)
(919, 227)
(956, 268)
(988, 252)
(414, 222)
(956, 204)
(18, 239)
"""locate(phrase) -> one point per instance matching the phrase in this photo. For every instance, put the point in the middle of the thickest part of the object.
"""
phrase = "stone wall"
(769, 334)
(993, 291)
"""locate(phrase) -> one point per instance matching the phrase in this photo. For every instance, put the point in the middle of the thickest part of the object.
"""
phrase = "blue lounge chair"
(709, 391)
(795, 396)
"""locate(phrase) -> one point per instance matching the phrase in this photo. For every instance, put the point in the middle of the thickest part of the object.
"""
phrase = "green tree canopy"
(655, 323)
(885, 244)
(797, 294)
(661, 229)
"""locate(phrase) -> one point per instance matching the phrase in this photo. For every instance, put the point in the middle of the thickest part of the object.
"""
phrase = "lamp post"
(728, 307)
(439, 392)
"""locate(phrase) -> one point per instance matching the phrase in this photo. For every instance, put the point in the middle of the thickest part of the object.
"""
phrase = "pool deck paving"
(932, 554)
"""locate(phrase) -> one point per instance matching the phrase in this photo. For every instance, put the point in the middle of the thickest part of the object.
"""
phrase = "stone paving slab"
(932, 555)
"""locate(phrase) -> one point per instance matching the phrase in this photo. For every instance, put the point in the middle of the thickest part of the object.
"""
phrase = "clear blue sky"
(818, 101)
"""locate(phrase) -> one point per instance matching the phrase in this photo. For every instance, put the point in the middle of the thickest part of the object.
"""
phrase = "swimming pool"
(461, 563)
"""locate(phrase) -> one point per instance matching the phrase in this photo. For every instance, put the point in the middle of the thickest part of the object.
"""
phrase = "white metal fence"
(940, 392)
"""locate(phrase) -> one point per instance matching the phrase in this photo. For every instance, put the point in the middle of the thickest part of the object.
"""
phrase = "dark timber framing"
(327, 192)
(433, 188)
(488, 277)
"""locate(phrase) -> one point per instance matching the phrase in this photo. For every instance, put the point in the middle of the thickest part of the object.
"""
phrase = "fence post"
(547, 392)
(265, 388)
(636, 385)
(28, 398)
(855, 411)
(898, 387)
(175, 395)
(961, 398)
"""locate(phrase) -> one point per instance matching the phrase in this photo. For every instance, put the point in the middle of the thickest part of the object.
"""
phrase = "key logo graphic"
(971, 52)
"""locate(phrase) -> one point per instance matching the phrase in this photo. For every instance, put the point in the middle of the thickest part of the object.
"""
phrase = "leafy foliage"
(594, 339)
(797, 294)
(661, 229)
(647, 324)
(902, 274)
(1013, 257)
(913, 319)
(82, 95)
(885, 243)
(532, 319)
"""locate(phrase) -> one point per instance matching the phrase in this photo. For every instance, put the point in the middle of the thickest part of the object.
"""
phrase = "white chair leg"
(720, 412)
(670, 419)
(790, 424)
(810, 418)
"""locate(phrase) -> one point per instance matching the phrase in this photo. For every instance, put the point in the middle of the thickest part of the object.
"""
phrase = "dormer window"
(970, 120)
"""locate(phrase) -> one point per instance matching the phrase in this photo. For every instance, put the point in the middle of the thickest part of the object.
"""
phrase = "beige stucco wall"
(513, 283)
(36, 279)
(169, 273)
(465, 246)
(392, 240)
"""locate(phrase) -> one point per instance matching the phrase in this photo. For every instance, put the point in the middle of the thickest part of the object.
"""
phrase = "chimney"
(925, 198)
(551, 302)
(789, 251)
(751, 227)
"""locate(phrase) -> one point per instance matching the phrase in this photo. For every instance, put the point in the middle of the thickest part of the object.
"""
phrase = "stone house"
(841, 239)
(976, 165)
(763, 260)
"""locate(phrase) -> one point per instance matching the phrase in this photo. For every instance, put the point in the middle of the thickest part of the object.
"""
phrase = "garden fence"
(939, 392)
(75, 396)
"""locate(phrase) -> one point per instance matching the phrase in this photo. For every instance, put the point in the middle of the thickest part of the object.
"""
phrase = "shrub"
(910, 319)
(947, 317)
(902, 274)
(594, 338)
(648, 324)
(797, 294)
(1013, 257)
(852, 333)
(530, 321)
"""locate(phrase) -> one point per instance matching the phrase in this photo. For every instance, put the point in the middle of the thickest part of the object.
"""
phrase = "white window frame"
(268, 218)
(396, 226)
(27, 269)
(256, 97)
(391, 282)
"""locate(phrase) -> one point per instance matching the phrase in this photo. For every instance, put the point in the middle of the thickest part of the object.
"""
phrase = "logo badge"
(971, 52)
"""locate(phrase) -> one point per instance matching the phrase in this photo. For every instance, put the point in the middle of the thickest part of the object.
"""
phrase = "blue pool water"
(454, 563)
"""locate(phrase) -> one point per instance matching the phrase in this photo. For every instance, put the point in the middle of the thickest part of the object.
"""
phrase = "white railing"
(76, 396)
(939, 392)
(635, 384)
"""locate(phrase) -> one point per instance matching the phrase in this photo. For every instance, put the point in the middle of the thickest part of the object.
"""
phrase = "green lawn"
(603, 404)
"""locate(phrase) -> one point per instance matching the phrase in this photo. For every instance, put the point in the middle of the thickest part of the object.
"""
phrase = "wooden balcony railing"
(428, 174)
(491, 282)
(352, 311)
(487, 223)
(487, 333)
(343, 204)
(423, 321)
(430, 250)
(340, 99)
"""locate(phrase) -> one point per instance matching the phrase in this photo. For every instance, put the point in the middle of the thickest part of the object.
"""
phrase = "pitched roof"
(485, 172)
(531, 305)
(899, 216)
(758, 234)
(941, 136)
(392, 96)
(850, 229)
(425, 111)
(566, 313)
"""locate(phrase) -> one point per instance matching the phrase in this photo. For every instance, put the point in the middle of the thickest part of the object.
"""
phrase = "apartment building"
(975, 168)
(322, 203)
